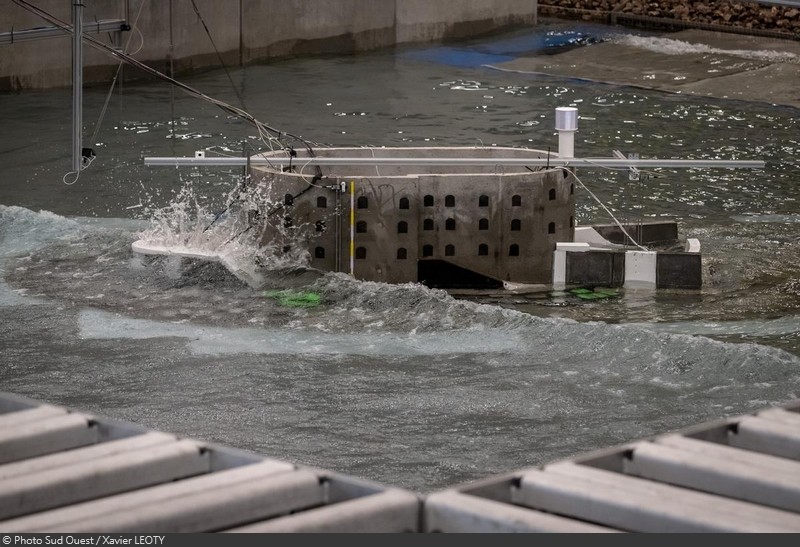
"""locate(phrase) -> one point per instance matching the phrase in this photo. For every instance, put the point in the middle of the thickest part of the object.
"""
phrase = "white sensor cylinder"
(566, 125)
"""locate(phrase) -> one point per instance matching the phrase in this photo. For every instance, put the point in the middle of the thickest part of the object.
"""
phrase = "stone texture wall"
(750, 16)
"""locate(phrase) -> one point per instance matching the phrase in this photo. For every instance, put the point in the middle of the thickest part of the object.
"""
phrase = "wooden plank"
(639, 505)
(767, 436)
(214, 509)
(77, 455)
(752, 479)
(46, 436)
(100, 477)
(451, 511)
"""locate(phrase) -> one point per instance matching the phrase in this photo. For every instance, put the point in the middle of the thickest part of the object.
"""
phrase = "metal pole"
(77, 84)
(624, 163)
(352, 226)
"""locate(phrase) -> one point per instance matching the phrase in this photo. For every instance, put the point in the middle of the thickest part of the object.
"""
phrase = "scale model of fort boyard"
(470, 225)
(447, 217)
(458, 217)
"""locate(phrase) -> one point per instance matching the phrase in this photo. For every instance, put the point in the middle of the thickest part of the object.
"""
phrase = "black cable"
(219, 56)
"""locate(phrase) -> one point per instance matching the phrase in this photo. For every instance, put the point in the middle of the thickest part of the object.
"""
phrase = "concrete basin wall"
(244, 31)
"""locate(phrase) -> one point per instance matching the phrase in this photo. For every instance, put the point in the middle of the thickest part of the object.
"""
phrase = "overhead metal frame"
(40, 33)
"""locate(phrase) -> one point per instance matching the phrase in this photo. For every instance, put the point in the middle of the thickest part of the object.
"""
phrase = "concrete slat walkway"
(66, 471)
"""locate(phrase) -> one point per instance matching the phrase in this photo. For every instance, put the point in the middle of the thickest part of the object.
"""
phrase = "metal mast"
(77, 84)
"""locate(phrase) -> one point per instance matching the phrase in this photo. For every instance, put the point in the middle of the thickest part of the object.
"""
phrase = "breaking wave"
(670, 46)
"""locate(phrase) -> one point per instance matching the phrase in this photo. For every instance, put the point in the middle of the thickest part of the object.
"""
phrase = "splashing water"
(234, 237)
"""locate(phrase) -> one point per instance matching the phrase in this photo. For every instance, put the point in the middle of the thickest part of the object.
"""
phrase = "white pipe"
(566, 125)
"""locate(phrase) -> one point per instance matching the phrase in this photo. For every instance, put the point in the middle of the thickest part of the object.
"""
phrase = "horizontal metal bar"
(520, 162)
(94, 27)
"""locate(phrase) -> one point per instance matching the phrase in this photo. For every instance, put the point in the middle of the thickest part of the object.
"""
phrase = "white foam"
(669, 46)
(202, 340)
(753, 327)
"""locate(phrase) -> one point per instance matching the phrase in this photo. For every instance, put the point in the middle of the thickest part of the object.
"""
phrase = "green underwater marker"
(295, 299)
(596, 294)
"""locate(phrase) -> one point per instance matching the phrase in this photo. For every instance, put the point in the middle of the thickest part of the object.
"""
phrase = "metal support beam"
(94, 27)
(77, 84)
(462, 161)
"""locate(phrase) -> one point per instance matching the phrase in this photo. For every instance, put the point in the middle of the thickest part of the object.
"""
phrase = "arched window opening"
(320, 225)
(449, 201)
(402, 227)
(404, 203)
(516, 225)
(516, 201)
(361, 227)
(288, 199)
(319, 252)
(483, 224)
(551, 228)
(322, 202)
(450, 224)
(362, 202)
(427, 224)
(427, 201)
(483, 249)
(427, 250)
(450, 250)
(483, 201)
(552, 194)
(513, 250)
(361, 253)
(402, 253)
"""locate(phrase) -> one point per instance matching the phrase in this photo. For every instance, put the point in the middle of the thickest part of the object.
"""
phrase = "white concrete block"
(692, 245)
(573, 247)
(640, 270)
(559, 269)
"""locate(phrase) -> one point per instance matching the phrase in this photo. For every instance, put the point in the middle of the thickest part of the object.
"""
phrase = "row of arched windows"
(450, 224)
(427, 224)
(427, 201)
(427, 251)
